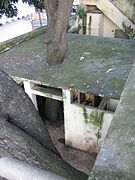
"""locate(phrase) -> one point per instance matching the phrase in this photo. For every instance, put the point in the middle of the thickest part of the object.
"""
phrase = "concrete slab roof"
(93, 64)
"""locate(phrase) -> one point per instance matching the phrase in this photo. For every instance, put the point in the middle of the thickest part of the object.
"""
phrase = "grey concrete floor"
(80, 160)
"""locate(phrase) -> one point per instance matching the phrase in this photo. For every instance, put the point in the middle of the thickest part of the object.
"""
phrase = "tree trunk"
(24, 147)
(23, 134)
(20, 111)
(58, 12)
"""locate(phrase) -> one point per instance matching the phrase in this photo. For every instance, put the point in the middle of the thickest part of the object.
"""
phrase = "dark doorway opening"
(51, 110)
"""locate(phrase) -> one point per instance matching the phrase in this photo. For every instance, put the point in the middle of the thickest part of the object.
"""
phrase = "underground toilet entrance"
(77, 122)
(69, 124)
(52, 112)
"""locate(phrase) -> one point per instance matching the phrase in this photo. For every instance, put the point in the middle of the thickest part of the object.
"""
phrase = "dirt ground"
(80, 160)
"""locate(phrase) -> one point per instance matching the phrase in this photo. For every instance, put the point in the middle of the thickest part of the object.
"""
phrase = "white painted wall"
(78, 133)
(108, 27)
(28, 89)
(101, 25)
(95, 25)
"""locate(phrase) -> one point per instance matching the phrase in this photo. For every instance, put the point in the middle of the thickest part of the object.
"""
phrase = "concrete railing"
(13, 169)
(116, 160)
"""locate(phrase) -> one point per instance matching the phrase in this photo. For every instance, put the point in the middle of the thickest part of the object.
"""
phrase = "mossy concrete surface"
(93, 64)
(116, 160)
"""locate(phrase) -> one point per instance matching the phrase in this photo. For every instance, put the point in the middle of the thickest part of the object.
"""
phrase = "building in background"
(106, 19)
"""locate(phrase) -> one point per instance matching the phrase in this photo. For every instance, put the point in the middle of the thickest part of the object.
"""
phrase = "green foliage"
(128, 30)
(78, 28)
(82, 15)
(81, 12)
(96, 118)
(85, 115)
(8, 7)
(132, 2)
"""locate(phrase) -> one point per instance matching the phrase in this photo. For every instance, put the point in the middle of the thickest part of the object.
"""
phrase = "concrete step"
(111, 11)
(114, 14)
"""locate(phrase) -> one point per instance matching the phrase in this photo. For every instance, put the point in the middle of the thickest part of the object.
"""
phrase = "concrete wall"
(81, 131)
(109, 27)
(127, 7)
(94, 23)
(100, 25)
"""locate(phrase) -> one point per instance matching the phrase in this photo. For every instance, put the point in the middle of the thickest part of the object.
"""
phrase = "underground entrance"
(52, 113)
(51, 110)
(77, 122)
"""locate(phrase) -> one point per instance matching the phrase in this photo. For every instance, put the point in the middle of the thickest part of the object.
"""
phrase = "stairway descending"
(127, 7)
(113, 13)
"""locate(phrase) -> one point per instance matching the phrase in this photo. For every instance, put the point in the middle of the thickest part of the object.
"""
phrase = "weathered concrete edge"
(11, 168)
(115, 160)
(20, 39)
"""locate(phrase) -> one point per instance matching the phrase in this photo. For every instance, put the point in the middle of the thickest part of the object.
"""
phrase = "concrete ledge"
(13, 169)
(116, 157)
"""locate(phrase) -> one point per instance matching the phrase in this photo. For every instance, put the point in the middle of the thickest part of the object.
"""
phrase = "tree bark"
(58, 12)
(24, 147)
(20, 111)
(23, 134)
